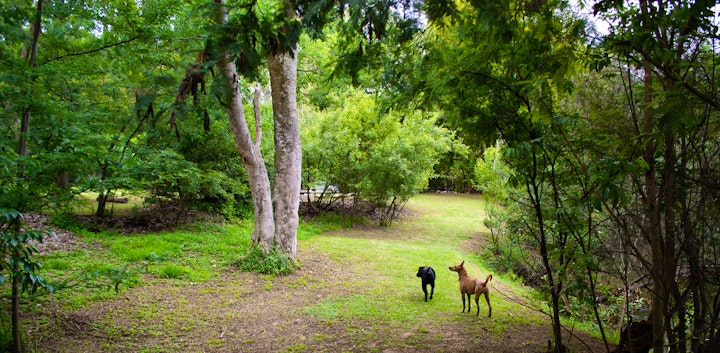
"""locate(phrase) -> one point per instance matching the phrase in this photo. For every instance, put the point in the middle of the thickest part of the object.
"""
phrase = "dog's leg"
(424, 287)
(462, 295)
(487, 299)
(432, 289)
(477, 296)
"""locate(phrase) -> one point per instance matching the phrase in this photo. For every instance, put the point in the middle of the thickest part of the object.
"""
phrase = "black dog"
(428, 277)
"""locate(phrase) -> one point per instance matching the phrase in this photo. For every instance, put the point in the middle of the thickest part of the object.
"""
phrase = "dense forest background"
(592, 127)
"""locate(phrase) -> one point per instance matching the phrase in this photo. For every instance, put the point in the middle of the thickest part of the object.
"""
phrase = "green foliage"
(18, 263)
(497, 70)
(18, 254)
(379, 157)
(222, 182)
(273, 263)
(66, 220)
(173, 271)
(170, 175)
(95, 276)
(253, 31)
(370, 34)
(491, 174)
(6, 338)
(106, 78)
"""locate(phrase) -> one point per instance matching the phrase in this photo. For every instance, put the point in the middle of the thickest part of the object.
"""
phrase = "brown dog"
(471, 286)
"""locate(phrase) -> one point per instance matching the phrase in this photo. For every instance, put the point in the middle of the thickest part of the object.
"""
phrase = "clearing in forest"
(356, 291)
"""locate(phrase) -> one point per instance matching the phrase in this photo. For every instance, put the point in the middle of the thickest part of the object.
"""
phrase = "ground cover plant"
(355, 290)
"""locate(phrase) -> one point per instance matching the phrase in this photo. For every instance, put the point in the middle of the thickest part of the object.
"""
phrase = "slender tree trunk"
(264, 228)
(17, 347)
(534, 192)
(288, 153)
(654, 233)
(669, 192)
(696, 283)
(30, 54)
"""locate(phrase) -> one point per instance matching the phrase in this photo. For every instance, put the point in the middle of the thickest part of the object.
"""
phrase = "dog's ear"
(462, 263)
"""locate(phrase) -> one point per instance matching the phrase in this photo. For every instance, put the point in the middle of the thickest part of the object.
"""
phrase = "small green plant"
(273, 263)
(6, 338)
(18, 263)
(173, 271)
(56, 264)
(110, 277)
(297, 347)
(67, 221)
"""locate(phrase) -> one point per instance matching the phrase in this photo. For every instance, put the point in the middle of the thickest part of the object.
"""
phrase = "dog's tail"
(488, 278)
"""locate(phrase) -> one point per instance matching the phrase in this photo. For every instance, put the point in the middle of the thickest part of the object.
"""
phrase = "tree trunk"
(288, 153)
(533, 189)
(264, 227)
(30, 54)
(102, 202)
(654, 233)
(17, 347)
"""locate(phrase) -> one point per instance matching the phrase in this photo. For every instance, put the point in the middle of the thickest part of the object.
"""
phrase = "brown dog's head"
(457, 268)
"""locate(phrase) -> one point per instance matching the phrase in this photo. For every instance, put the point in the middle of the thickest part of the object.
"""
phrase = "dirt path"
(242, 312)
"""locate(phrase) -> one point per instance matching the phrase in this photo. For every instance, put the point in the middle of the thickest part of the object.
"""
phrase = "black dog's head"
(426, 272)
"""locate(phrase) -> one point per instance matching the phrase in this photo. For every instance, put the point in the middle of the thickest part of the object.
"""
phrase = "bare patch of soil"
(54, 238)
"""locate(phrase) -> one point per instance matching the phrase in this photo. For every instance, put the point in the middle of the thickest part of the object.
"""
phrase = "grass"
(197, 253)
(86, 204)
(378, 295)
(391, 258)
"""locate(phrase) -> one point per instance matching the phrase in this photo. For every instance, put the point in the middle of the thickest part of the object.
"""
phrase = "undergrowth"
(273, 263)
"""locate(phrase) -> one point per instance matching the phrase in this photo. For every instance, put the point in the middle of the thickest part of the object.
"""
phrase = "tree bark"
(533, 190)
(264, 228)
(288, 152)
(17, 346)
(30, 54)
(654, 233)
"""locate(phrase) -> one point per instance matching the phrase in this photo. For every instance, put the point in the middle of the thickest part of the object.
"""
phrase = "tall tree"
(264, 228)
(276, 213)
(248, 33)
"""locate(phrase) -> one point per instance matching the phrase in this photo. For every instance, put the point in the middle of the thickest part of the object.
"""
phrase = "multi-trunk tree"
(248, 35)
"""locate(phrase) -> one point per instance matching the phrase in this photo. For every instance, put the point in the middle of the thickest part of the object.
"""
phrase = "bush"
(168, 175)
(381, 157)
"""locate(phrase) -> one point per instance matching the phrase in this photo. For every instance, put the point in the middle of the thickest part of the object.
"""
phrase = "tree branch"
(58, 58)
